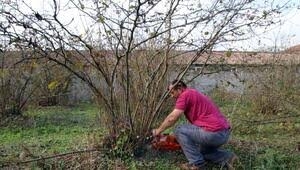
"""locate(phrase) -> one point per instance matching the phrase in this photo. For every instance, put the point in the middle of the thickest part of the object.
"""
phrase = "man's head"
(176, 88)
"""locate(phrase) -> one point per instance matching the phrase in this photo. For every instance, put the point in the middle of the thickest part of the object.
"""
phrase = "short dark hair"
(178, 84)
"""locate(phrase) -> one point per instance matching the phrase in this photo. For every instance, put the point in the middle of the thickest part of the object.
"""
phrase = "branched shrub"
(275, 90)
(54, 84)
(17, 83)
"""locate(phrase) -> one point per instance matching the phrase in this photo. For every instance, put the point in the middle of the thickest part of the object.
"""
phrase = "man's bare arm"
(169, 121)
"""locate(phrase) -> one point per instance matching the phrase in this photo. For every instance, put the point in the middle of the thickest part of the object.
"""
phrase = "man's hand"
(155, 132)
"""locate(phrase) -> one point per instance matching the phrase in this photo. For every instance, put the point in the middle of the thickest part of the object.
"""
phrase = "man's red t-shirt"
(201, 111)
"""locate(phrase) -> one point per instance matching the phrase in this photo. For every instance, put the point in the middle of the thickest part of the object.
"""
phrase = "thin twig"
(50, 157)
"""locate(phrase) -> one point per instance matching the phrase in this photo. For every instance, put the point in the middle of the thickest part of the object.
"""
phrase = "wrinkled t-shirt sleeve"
(180, 103)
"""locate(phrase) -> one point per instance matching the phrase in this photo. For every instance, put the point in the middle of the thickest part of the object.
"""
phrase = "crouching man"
(207, 131)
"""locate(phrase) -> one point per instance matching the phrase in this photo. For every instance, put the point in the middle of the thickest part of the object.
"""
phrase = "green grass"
(52, 130)
(46, 131)
(262, 141)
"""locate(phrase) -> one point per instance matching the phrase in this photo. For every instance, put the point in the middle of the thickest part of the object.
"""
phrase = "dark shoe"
(230, 162)
(188, 166)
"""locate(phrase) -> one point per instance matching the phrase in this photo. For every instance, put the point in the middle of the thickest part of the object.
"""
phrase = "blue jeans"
(199, 145)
